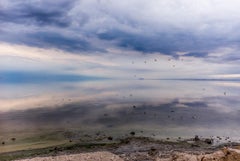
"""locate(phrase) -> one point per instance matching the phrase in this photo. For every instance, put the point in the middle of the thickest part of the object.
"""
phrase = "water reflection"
(156, 108)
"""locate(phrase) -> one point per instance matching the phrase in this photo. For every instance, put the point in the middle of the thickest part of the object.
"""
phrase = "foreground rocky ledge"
(226, 154)
(93, 156)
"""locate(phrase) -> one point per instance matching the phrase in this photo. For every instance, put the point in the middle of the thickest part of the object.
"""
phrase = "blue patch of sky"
(19, 77)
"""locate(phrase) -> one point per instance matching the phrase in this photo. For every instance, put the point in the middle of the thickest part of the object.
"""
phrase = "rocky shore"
(133, 149)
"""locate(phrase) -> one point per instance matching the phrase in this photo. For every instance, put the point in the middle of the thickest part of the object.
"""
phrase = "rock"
(208, 141)
(227, 154)
(152, 151)
(132, 133)
(196, 138)
(13, 139)
(110, 138)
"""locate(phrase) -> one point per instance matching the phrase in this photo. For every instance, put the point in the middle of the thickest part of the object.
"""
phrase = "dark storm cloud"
(44, 13)
(48, 39)
(41, 16)
(35, 16)
(168, 30)
(60, 41)
(166, 43)
(156, 43)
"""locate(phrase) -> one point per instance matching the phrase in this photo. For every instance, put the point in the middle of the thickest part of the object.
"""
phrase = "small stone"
(153, 151)
(196, 138)
(110, 138)
(132, 133)
(13, 139)
(208, 141)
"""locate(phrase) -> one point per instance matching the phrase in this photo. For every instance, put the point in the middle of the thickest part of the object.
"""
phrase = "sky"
(150, 39)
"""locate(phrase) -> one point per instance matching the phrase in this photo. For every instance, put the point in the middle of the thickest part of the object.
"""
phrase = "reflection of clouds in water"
(154, 92)
(194, 115)
(223, 104)
(229, 84)
(111, 104)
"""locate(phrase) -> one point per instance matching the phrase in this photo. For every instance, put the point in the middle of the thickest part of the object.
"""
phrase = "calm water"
(156, 108)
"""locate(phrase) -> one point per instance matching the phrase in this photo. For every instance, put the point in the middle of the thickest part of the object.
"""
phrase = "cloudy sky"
(125, 39)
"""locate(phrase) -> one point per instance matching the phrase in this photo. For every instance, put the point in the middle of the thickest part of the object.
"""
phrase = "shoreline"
(131, 148)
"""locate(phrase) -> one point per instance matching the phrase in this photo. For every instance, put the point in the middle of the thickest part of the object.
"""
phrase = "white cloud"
(154, 16)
